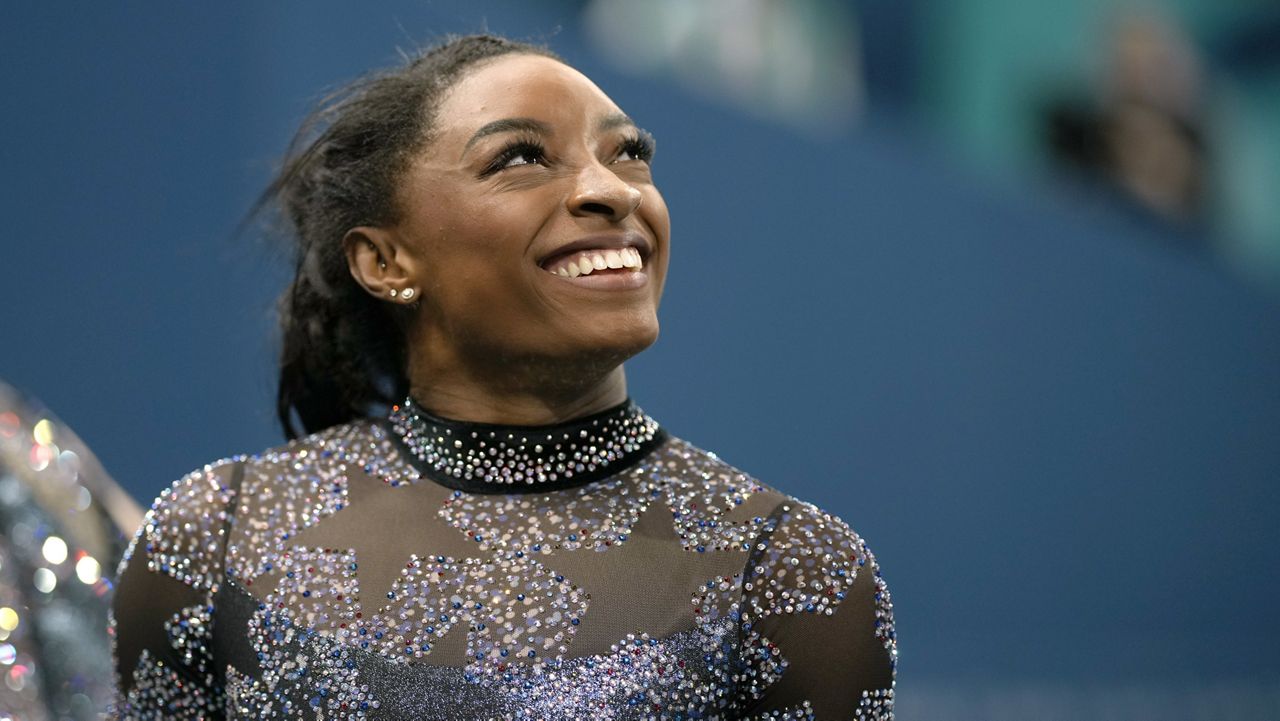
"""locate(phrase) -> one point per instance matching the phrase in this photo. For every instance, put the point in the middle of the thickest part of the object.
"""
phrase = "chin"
(616, 342)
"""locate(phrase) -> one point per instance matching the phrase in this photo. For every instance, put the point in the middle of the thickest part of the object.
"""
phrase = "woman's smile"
(602, 262)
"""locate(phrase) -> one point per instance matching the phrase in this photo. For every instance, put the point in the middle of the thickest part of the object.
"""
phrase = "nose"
(599, 191)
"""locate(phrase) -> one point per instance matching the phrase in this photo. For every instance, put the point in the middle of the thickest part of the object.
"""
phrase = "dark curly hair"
(343, 352)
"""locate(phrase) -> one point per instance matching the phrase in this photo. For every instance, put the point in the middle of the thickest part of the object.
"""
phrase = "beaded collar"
(488, 458)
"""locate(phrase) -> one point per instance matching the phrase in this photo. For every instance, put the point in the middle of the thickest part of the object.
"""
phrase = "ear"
(380, 264)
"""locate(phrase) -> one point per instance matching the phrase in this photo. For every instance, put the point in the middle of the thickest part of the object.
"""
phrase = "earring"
(394, 292)
(407, 293)
(382, 264)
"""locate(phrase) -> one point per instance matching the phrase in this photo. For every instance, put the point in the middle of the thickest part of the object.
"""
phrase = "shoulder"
(686, 464)
(803, 559)
(815, 610)
(288, 488)
(327, 455)
(176, 528)
(184, 530)
(714, 505)
(681, 463)
(789, 527)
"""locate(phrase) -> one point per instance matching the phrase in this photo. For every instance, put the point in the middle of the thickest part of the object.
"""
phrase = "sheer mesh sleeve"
(818, 635)
(162, 615)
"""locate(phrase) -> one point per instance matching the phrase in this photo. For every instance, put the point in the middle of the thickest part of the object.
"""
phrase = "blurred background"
(998, 282)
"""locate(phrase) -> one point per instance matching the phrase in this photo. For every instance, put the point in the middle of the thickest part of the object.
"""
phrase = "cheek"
(453, 228)
(475, 253)
(653, 210)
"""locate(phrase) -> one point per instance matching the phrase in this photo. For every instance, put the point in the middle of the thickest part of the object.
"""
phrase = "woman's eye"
(640, 148)
(515, 156)
(522, 157)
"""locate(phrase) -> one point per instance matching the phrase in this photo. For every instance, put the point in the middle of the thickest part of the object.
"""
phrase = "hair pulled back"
(343, 352)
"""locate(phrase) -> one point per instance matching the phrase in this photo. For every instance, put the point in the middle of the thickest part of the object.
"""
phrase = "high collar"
(494, 458)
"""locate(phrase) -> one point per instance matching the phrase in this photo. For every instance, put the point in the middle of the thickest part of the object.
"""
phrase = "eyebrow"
(529, 125)
(508, 125)
(615, 120)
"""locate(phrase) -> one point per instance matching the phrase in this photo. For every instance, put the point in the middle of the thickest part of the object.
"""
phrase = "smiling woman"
(479, 523)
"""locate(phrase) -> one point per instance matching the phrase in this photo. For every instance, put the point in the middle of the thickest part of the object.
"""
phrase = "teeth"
(630, 258)
(588, 261)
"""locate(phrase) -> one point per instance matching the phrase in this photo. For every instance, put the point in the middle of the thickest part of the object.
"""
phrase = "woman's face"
(533, 180)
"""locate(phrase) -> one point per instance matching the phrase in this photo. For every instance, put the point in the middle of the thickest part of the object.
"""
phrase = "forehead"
(526, 86)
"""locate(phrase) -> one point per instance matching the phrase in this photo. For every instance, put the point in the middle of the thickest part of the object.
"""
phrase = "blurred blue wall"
(1058, 431)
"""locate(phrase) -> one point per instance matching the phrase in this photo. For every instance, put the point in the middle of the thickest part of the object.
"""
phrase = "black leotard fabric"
(432, 569)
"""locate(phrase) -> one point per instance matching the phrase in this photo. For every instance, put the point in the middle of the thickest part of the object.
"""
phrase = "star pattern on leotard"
(646, 584)
(429, 589)
(384, 526)
(679, 584)
(805, 662)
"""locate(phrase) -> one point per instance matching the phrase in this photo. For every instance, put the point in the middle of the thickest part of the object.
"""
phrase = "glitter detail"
(681, 676)
(805, 563)
(872, 706)
(886, 631)
(764, 661)
(355, 586)
(519, 455)
(303, 674)
(270, 512)
(702, 491)
(190, 632)
(319, 589)
(803, 712)
(160, 693)
(185, 526)
(513, 612)
(812, 576)
(246, 696)
(370, 448)
(875, 706)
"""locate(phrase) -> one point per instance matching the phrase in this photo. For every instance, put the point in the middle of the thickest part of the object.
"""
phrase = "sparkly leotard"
(431, 569)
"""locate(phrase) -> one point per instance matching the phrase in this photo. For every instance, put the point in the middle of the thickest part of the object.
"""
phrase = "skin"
(494, 337)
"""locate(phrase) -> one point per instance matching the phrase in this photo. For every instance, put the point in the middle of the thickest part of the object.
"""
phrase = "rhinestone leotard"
(431, 569)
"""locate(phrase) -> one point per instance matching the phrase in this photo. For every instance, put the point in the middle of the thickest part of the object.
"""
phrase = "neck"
(508, 399)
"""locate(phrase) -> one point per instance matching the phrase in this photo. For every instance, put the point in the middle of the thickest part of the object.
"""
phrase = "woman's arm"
(162, 615)
(818, 633)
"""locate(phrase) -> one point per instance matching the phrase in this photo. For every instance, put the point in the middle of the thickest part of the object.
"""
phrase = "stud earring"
(407, 293)
(394, 292)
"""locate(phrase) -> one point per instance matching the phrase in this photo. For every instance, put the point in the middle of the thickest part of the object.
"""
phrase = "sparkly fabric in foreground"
(58, 542)
(348, 575)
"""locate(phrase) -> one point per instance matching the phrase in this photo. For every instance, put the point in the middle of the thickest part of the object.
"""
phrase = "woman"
(481, 246)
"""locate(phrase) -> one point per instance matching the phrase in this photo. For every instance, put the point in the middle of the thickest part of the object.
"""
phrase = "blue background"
(1056, 427)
